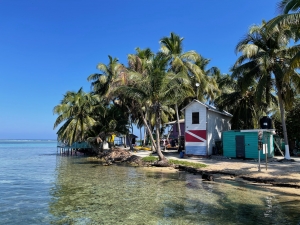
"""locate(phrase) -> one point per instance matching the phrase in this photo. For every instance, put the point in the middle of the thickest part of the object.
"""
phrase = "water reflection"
(88, 193)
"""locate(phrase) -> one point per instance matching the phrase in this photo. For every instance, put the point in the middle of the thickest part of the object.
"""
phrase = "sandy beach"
(278, 173)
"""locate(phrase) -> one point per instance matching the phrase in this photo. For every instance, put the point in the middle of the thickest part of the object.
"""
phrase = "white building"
(203, 126)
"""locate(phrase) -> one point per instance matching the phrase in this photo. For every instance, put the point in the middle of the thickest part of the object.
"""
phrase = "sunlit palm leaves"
(243, 105)
(155, 91)
(75, 112)
(104, 82)
(266, 59)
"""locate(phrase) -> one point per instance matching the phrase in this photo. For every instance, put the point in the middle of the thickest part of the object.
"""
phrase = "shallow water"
(39, 187)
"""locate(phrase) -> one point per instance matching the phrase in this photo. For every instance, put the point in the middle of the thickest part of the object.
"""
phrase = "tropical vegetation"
(152, 89)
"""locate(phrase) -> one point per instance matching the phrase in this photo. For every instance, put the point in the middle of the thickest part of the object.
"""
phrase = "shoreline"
(281, 174)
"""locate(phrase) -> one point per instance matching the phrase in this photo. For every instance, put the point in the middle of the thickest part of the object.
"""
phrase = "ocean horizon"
(26, 139)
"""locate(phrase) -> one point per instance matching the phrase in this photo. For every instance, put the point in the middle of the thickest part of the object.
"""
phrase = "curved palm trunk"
(282, 113)
(148, 129)
(150, 132)
(157, 124)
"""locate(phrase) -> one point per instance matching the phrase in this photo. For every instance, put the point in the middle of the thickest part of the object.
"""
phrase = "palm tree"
(154, 92)
(75, 112)
(139, 63)
(102, 83)
(242, 104)
(112, 120)
(265, 59)
(112, 75)
(207, 82)
(289, 16)
(289, 22)
(180, 62)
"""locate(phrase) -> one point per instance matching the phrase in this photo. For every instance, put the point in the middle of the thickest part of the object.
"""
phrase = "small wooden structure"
(125, 140)
(69, 149)
(203, 127)
(174, 132)
(245, 143)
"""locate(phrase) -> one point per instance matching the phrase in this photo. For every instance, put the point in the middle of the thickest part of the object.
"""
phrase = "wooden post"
(259, 160)
(266, 159)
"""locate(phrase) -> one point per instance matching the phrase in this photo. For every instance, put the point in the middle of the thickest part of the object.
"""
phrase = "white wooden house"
(204, 125)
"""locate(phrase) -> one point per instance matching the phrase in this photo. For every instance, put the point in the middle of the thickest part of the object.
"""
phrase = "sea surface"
(40, 186)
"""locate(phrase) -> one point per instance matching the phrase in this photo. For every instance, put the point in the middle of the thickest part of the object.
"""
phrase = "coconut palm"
(243, 105)
(239, 104)
(289, 15)
(208, 86)
(103, 83)
(154, 92)
(75, 112)
(113, 120)
(180, 62)
(141, 62)
(265, 59)
(286, 6)
(288, 21)
(112, 75)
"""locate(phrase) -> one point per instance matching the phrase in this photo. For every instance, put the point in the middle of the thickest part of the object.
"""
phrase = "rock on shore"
(116, 155)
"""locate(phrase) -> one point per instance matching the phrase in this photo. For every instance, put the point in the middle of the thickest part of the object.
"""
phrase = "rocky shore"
(119, 155)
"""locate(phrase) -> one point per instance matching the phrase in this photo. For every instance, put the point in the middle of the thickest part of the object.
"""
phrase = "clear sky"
(50, 47)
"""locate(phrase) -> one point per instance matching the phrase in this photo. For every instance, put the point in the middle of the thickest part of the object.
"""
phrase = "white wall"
(195, 107)
(216, 124)
(195, 148)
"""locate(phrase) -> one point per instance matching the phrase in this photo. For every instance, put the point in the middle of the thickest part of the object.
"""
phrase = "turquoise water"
(37, 186)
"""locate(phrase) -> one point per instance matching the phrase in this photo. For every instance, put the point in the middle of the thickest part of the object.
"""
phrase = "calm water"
(37, 186)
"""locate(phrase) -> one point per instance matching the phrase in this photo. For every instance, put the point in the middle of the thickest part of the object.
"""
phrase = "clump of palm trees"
(152, 89)
(149, 92)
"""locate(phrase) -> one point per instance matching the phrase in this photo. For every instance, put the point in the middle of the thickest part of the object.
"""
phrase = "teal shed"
(245, 143)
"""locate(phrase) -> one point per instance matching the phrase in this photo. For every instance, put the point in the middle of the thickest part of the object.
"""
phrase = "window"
(195, 118)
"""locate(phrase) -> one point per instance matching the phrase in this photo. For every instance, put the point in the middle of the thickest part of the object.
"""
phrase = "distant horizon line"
(30, 139)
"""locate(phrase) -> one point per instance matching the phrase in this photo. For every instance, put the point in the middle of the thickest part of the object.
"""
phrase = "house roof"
(209, 107)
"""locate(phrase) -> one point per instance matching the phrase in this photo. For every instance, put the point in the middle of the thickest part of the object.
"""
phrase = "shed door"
(240, 146)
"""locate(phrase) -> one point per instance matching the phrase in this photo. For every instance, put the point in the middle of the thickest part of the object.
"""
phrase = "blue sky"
(50, 47)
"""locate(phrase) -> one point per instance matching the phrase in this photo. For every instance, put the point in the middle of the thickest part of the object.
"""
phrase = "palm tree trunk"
(178, 124)
(145, 135)
(141, 136)
(282, 113)
(148, 129)
(125, 140)
(157, 124)
(130, 141)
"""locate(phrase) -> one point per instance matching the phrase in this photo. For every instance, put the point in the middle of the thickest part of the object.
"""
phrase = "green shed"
(245, 143)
